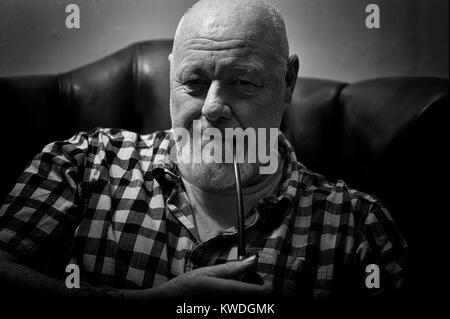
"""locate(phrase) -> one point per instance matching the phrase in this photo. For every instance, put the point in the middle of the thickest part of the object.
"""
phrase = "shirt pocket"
(284, 271)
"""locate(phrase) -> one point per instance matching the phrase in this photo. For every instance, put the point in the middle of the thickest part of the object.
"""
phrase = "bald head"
(256, 22)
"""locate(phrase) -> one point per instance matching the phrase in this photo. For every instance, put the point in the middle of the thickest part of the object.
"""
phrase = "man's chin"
(215, 176)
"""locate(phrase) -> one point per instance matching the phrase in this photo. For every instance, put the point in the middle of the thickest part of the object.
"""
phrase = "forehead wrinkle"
(239, 65)
(236, 60)
(194, 52)
(216, 52)
(206, 43)
(203, 44)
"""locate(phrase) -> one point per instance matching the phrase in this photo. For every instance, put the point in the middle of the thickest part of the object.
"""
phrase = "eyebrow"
(192, 68)
(249, 69)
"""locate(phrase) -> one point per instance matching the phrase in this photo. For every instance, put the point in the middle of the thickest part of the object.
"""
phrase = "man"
(141, 223)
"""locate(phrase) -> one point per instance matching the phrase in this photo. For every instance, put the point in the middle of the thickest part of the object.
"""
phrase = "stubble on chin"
(216, 176)
(211, 174)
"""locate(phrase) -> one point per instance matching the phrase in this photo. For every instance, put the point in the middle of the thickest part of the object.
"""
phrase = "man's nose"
(216, 105)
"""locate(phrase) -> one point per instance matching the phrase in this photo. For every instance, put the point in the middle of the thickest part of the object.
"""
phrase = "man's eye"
(245, 87)
(197, 82)
(197, 86)
(244, 83)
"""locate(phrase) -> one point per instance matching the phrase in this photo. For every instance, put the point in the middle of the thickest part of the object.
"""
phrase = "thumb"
(232, 269)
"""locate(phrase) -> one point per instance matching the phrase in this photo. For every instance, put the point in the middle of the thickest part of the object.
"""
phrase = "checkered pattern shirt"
(112, 202)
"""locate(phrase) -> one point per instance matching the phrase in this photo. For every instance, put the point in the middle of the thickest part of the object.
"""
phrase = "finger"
(231, 269)
(231, 287)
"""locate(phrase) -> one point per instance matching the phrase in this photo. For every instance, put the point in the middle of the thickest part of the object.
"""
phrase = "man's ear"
(291, 77)
(170, 57)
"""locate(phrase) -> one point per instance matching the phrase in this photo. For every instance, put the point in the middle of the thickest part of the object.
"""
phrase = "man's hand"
(211, 282)
(204, 283)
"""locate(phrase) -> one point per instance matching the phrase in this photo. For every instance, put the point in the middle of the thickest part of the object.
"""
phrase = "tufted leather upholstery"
(385, 135)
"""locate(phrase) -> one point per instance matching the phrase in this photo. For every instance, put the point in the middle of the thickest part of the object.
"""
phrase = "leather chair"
(384, 136)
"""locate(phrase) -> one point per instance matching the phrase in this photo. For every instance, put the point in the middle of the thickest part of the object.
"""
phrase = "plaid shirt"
(112, 202)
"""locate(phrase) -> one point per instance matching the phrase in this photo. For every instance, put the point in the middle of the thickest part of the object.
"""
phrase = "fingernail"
(250, 259)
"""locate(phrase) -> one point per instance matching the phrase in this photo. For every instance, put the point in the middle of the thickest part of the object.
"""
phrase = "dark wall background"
(330, 36)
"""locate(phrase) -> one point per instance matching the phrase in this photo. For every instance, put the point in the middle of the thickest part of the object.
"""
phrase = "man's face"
(226, 83)
(225, 74)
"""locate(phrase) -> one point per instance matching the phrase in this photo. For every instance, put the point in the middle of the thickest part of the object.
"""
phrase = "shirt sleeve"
(39, 217)
(382, 253)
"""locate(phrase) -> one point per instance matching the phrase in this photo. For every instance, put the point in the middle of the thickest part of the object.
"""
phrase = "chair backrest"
(382, 135)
